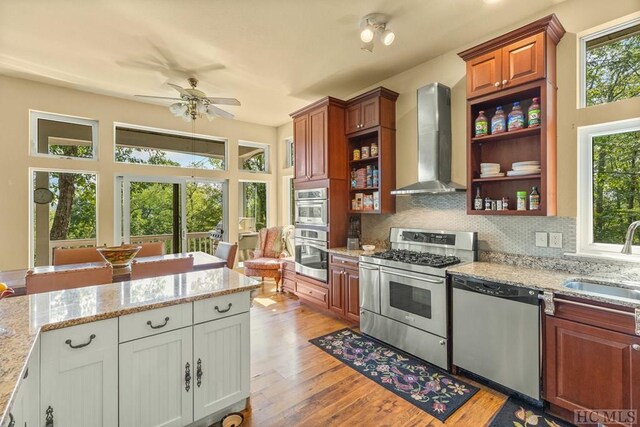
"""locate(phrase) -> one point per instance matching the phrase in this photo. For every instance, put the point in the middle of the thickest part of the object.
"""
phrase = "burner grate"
(418, 258)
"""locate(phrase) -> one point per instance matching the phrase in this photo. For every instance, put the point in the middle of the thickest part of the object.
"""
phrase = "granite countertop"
(346, 252)
(26, 316)
(544, 280)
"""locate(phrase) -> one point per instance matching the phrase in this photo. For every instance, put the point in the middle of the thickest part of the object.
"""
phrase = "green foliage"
(82, 224)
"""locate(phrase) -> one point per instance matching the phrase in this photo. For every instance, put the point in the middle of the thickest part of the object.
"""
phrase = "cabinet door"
(221, 359)
(483, 74)
(336, 290)
(352, 291)
(26, 405)
(79, 375)
(370, 113)
(153, 386)
(589, 367)
(300, 142)
(352, 118)
(523, 61)
(318, 144)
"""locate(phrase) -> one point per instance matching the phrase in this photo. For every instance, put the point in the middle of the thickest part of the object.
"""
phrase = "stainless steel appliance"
(403, 291)
(311, 207)
(312, 258)
(496, 333)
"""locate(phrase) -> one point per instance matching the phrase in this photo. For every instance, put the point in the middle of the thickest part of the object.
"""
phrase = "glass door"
(205, 202)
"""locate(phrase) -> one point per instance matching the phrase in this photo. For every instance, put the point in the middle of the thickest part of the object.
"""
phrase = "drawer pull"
(91, 338)
(48, 417)
(187, 377)
(216, 308)
(26, 373)
(636, 347)
(199, 373)
(166, 320)
(12, 422)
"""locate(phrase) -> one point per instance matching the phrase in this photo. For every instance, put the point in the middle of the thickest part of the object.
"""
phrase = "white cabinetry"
(79, 377)
(26, 406)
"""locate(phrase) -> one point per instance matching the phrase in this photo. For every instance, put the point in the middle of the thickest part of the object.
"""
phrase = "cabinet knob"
(497, 84)
(504, 82)
(636, 347)
(442, 342)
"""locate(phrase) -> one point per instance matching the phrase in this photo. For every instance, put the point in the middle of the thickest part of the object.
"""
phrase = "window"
(611, 64)
(253, 205)
(609, 184)
(64, 212)
(290, 153)
(164, 148)
(63, 136)
(253, 157)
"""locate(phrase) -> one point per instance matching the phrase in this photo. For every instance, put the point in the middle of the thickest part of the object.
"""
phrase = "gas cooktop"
(418, 258)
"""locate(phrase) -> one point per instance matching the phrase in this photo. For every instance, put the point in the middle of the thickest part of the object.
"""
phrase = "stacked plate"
(490, 170)
(530, 167)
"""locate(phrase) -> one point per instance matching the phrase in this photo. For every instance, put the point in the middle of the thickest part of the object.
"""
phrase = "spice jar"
(505, 203)
(356, 154)
(365, 152)
(521, 203)
(374, 149)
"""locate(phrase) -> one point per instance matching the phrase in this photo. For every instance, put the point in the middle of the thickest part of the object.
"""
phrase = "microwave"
(311, 207)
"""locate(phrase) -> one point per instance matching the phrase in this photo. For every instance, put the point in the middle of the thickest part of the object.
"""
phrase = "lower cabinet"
(344, 284)
(25, 411)
(79, 376)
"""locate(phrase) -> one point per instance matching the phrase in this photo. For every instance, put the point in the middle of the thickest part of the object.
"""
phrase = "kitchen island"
(103, 350)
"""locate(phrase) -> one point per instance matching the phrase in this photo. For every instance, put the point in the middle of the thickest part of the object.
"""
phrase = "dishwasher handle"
(498, 290)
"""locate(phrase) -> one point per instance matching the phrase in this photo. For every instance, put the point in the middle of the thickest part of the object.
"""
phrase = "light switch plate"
(555, 240)
(541, 239)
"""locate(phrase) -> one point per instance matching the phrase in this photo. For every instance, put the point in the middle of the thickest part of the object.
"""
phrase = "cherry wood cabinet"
(515, 67)
(289, 276)
(591, 359)
(344, 287)
(362, 115)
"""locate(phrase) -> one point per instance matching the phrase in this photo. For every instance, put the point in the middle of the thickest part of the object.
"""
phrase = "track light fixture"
(372, 24)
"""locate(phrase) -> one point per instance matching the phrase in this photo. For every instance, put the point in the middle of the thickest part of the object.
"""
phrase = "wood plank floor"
(293, 383)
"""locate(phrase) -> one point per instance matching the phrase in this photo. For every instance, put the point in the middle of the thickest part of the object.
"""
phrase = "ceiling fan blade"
(180, 89)
(159, 97)
(219, 112)
(224, 101)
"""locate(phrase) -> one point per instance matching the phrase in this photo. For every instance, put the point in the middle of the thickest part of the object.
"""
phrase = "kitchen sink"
(616, 291)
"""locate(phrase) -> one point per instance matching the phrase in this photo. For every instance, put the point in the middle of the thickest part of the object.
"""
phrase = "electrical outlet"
(541, 239)
(555, 240)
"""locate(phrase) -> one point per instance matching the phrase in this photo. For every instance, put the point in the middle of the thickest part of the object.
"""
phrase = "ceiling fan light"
(201, 108)
(366, 33)
(368, 47)
(387, 37)
(177, 109)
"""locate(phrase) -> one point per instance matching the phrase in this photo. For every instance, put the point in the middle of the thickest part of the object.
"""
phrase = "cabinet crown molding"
(327, 100)
(379, 91)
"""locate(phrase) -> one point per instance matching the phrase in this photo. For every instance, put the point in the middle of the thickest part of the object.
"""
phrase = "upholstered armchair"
(274, 244)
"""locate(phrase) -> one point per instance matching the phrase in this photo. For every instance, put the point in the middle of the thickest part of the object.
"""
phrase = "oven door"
(311, 212)
(414, 299)
(312, 259)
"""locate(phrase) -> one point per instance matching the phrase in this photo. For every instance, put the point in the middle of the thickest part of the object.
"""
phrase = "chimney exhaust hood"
(434, 143)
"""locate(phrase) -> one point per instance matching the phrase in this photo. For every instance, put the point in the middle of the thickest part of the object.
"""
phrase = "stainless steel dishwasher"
(496, 333)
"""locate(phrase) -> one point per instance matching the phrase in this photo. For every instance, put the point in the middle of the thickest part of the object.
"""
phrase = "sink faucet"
(628, 241)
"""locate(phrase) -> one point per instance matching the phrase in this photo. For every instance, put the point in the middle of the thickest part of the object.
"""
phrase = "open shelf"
(506, 178)
(355, 190)
(520, 133)
(510, 212)
(363, 212)
(368, 159)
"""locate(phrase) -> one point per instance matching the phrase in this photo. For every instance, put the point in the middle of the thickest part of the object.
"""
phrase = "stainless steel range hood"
(434, 143)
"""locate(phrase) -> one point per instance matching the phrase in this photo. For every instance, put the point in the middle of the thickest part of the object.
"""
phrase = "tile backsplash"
(508, 234)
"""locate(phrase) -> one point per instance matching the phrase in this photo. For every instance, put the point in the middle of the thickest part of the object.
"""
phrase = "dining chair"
(227, 251)
(56, 280)
(163, 267)
(65, 256)
(150, 249)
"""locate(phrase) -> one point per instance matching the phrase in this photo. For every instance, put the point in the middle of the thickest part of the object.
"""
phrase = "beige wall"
(18, 96)
(576, 16)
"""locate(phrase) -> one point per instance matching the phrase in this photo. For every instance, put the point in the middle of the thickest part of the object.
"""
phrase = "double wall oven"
(311, 235)
(404, 294)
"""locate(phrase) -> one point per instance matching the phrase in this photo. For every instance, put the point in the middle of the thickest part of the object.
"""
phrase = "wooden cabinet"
(301, 143)
(79, 375)
(362, 115)
(157, 380)
(289, 276)
(592, 361)
(344, 287)
(312, 291)
(515, 67)
(26, 405)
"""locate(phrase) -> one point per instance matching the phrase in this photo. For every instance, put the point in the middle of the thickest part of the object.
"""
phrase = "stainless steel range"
(403, 291)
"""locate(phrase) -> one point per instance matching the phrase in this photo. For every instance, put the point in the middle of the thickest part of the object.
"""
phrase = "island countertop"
(26, 316)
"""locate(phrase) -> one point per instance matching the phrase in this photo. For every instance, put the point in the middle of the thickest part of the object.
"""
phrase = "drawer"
(152, 322)
(289, 266)
(291, 275)
(312, 293)
(59, 344)
(289, 284)
(219, 307)
(344, 261)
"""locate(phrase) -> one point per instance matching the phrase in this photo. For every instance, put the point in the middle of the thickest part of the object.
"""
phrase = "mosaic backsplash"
(512, 235)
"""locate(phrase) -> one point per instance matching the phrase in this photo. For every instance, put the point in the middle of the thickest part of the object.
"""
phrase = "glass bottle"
(482, 124)
(354, 179)
(498, 122)
(533, 114)
(534, 199)
(478, 202)
(515, 119)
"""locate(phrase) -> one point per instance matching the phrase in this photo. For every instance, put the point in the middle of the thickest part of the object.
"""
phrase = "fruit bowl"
(119, 256)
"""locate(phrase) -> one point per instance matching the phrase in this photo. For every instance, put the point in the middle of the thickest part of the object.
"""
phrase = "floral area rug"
(516, 413)
(426, 386)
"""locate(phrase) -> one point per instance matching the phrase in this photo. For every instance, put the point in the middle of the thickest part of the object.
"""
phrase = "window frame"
(34, 115)
(170, 132)
(289, 160)
(603, 30)
(585, 243)
(261, 145)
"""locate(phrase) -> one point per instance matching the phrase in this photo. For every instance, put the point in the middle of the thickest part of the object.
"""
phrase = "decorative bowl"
(119, 256)
(234, 419)
(368, 248)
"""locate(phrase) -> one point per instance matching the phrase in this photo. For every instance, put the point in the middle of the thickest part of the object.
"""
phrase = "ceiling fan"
(194, 103)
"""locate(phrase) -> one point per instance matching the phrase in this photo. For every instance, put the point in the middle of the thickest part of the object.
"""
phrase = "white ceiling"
(275, 56)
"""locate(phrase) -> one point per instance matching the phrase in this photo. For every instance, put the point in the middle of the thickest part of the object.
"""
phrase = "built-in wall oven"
(312, 258)
(311, 207)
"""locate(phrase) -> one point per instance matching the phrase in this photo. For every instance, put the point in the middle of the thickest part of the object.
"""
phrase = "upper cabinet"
(316, 128)
(371, 109)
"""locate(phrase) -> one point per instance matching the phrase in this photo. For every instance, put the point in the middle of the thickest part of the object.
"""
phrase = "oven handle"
(308, 243)
(424, 279)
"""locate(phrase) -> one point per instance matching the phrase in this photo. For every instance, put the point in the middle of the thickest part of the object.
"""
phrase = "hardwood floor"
(293, 383)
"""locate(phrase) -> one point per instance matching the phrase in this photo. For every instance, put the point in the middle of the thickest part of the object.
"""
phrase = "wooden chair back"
(164, 267)
(48, 281)
(227, 251)
(150, 249)
(65, 256)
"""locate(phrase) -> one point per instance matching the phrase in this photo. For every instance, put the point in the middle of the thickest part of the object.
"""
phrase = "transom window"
(63, 136)
(253, 157)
